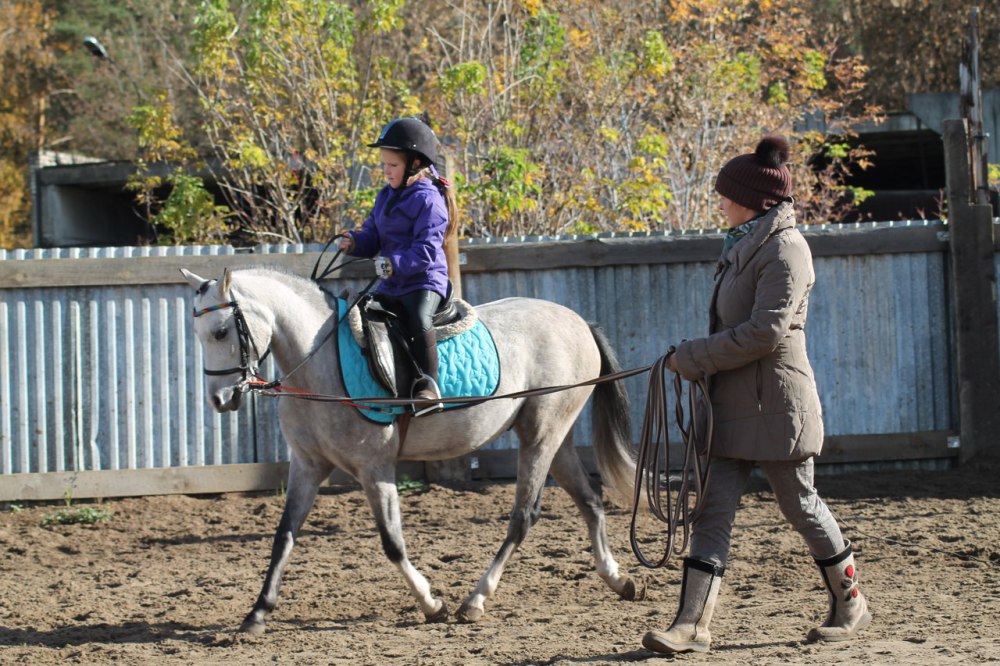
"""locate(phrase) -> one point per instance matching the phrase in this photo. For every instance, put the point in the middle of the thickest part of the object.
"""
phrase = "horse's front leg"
(304, 479)
(527, 508)
(384, 500)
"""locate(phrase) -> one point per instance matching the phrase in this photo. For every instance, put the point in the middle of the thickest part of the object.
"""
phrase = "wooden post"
(451, 252)
(971, 109)
(970, 228)
(457, 470)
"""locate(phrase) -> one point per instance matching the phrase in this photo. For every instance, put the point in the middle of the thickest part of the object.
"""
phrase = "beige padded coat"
(761, 384)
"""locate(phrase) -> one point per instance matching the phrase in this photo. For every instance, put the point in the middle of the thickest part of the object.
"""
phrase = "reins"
(277, 388)
(380, 404)
(277, 383)
(653, 461)
(653, 457)
(316, 277)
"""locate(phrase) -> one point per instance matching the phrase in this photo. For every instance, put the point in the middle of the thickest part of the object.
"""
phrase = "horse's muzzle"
(226, 399)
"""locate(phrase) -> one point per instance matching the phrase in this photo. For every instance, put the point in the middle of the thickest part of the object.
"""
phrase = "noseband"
(246, 342)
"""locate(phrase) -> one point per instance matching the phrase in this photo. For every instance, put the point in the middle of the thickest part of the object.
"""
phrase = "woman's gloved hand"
(672, 359)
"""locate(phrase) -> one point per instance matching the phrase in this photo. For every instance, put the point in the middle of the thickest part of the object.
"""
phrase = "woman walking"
(766, 408)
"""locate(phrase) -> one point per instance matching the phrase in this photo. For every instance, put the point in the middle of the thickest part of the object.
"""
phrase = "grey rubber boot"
(848, 607)
(689, 631)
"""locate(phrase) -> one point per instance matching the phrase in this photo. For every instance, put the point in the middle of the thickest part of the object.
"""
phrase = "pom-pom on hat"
(760, 179)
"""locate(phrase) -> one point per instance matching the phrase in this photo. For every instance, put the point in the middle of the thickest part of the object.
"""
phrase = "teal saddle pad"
(468, 365)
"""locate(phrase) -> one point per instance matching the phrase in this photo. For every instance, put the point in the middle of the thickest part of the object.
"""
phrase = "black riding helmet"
(411, 135)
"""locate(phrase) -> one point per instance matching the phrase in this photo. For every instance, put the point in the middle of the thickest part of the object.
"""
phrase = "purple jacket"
(410, 234)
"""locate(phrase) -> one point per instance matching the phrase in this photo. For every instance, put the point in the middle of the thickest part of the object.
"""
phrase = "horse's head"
(231, 352)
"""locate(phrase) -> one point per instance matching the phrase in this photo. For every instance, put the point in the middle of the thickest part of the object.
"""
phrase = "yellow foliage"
(532, 7)
(579, 39)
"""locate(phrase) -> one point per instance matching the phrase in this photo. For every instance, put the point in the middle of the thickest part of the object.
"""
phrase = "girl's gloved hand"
(383, 267)
(346, 244)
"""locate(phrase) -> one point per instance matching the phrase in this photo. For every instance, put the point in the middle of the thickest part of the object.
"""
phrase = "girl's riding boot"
(426, 386)
(848, 607)
(689, 631)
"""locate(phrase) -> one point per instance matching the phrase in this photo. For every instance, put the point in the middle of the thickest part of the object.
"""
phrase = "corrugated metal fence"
(99, 377)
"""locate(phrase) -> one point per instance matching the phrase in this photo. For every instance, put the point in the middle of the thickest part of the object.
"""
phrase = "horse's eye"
(221, 333)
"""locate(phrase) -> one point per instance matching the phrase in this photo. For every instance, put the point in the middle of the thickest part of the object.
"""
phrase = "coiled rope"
(652, 470)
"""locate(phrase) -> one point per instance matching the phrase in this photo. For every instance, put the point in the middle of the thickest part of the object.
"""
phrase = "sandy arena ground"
(168, 580)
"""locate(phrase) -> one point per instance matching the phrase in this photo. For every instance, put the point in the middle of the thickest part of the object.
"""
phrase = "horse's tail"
(612, 428)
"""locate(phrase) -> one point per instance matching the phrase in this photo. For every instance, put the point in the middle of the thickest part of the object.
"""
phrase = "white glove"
(383, 267)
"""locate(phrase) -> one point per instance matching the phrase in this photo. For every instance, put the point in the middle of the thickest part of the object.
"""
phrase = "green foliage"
(85, 515)
(814, 70)
(544, 40)
(777, 94)
(509, 184)
(644, 193)
(189, 213)
(740, 78)
(159, 137)
(385, 16)
(837, 150)
(657, 60)
(859, 194)
(407, 486)
(214, 28)
(993, 175)
(288, 105)
(465, 77)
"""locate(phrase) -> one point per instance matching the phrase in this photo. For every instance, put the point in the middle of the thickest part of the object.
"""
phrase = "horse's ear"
(227, 282)
(194, 280)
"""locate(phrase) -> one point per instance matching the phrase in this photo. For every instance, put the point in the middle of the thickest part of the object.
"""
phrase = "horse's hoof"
(252, 628)
(440, 615)
(470, 614)
(628, 592)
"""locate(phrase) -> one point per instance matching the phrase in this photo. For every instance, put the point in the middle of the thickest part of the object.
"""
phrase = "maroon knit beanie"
(760, 179)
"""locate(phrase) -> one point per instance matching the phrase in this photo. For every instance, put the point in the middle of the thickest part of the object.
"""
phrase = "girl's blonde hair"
(447, 191)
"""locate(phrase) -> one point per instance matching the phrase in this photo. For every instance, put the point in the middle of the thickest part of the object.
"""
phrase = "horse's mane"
(304, 287)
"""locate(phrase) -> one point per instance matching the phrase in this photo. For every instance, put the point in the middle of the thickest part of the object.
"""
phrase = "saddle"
(381, 337)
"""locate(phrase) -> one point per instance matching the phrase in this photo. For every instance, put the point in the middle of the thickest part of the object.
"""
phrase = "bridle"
(247, 343)
(245, 340)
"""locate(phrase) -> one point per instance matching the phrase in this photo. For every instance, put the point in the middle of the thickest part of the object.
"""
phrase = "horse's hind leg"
(304, 479)
(569, 473)
(380, 489)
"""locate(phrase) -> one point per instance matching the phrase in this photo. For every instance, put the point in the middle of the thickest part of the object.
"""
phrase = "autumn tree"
(743, 69)
(289, 94)
(582, 117)
(56, 97)
(556, 117)
(26, 61)
(142, 38)
(912, 46)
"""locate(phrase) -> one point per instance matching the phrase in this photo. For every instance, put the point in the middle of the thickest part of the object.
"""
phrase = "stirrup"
(430, 386)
